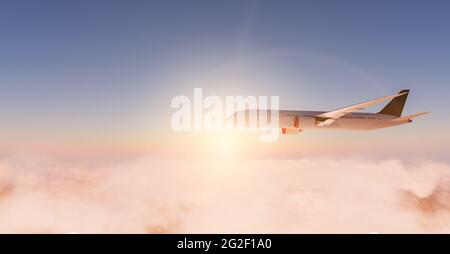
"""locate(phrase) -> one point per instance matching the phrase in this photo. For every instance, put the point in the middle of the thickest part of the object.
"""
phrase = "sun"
(225, 143)
(229, 145)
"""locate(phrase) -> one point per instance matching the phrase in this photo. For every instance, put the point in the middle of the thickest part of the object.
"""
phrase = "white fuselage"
(351, 121)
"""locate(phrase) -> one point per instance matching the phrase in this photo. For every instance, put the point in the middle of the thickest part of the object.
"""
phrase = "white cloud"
(312, 195)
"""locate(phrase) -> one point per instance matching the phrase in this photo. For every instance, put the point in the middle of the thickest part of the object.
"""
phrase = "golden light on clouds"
(173, 195)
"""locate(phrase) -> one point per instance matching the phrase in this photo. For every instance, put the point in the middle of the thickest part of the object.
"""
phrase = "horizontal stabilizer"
(410, 117)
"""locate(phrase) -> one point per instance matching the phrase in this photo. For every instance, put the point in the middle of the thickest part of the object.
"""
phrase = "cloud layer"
(154, 195)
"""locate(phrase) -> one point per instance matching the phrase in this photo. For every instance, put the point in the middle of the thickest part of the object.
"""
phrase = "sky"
(100, 75)
(86, 143)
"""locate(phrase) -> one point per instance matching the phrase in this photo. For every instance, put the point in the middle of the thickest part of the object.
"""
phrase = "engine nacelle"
(290, 130)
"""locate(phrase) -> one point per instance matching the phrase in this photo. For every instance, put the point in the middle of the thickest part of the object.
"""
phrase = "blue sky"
(99, 66)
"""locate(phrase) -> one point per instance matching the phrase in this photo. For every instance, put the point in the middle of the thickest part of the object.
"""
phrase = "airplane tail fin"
(395, 106)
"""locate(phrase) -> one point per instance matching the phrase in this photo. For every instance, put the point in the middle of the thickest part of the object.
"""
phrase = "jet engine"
(290, 130)
(294, 128)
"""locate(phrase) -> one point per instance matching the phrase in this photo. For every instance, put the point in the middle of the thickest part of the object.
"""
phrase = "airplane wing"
(329, 117)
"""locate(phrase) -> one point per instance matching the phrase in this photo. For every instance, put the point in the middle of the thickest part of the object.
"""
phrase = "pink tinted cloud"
(153, 195)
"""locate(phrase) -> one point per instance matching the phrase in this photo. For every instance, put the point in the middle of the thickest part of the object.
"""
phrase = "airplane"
(293, 122)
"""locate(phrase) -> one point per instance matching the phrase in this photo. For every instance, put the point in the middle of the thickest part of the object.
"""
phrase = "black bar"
(226, 242)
